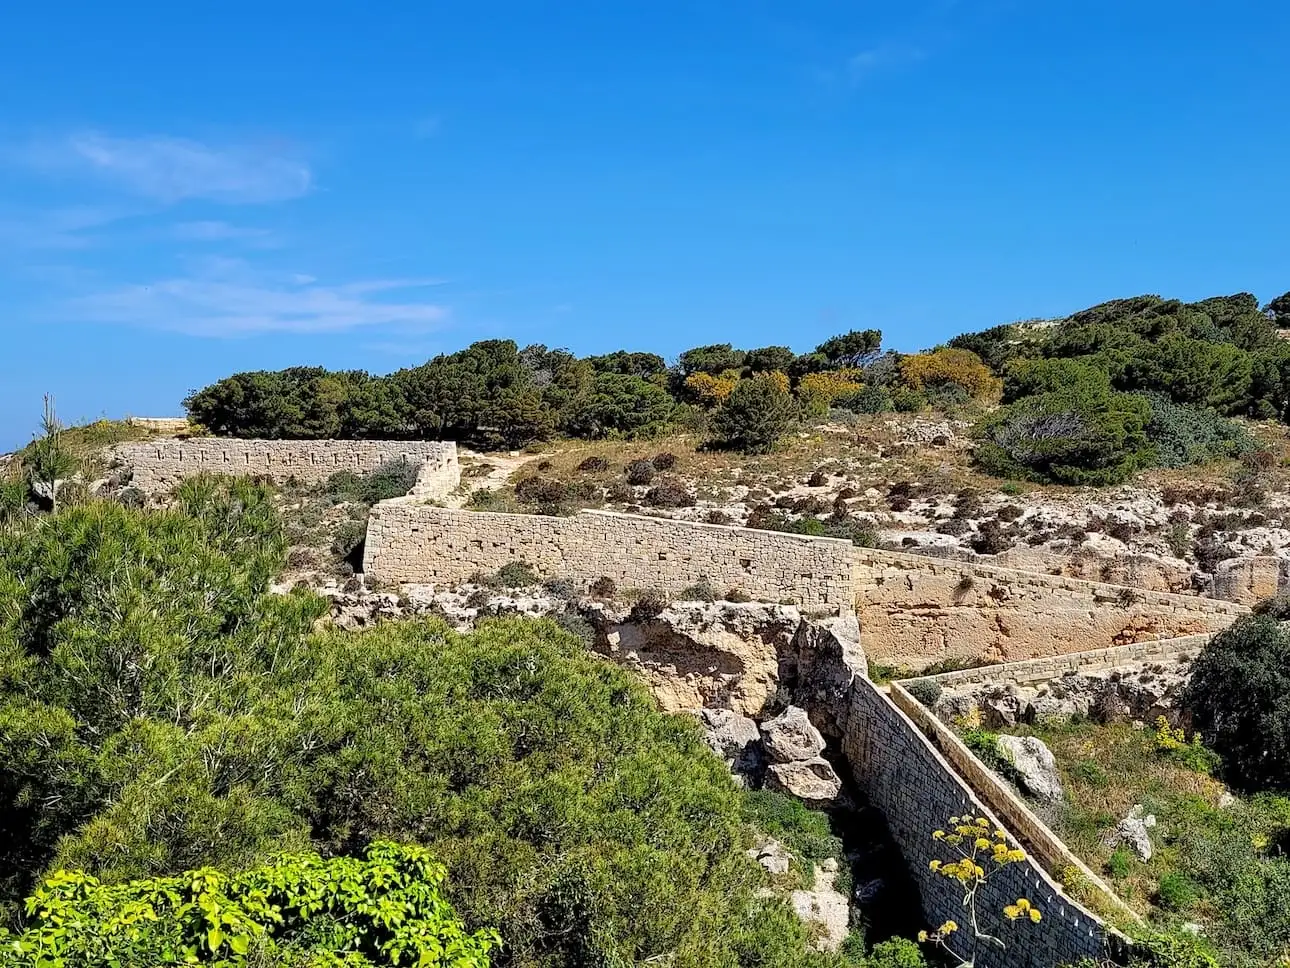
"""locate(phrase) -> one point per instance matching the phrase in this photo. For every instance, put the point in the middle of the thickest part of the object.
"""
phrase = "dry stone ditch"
(781, 690)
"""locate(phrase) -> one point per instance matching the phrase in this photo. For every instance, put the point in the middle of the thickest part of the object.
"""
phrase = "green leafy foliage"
(1184, 434)
(386, 908)
(1239, 698)
(391, 480)
(160, 712)
(758, 412)
(1074, 429)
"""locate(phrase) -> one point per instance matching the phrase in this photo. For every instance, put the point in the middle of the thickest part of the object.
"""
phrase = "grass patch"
(1216, 861)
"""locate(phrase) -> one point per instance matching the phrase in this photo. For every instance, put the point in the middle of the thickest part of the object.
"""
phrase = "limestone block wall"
(1036, 672)
(412, 542)
(164, 463)
(903, 774)
(162, 425)
(916, 610)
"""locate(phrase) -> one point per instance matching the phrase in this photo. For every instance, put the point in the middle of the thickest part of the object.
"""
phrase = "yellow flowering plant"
(977, 851)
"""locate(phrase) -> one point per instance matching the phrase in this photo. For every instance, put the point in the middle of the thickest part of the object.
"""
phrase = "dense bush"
(391, 480)
(1076, 433)
(299, 910)
(1184, 434)
(757, 414)
(640, 472)
(944, 368)
(160, 712)
(1239, 699)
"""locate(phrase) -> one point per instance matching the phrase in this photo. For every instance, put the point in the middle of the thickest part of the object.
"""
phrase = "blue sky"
(187, 190)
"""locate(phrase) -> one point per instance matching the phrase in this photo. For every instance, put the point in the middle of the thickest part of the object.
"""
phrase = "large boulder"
(790, 737)
(1036, 766)
(734, 738)
(813, 781)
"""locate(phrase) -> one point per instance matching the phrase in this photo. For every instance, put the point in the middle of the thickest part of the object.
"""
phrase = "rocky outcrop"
(697, 654)
(825, 909)
(735, 739)
(773, 856)
(1141, 692)
(1250, 579)
(790, 737)
(812, 781)
(1133, 832)
(1035, 765)
(736, 656)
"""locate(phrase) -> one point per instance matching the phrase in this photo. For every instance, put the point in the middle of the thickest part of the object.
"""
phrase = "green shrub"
(1239, 698)
(391, 480)
(701, 591)
(805, 832)
(1175, 892)
(1120, 863)
(1184, 434)
(896, 953)
(1083, 434)
(926, 691)
(668, 494)
(870, 399)
(515, 574)
(906, 400)
(649, 605)
(640, 472)
(349, 535)
(299, 910)
(758, 412)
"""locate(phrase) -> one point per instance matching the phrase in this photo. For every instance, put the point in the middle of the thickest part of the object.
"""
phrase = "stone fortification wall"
(164, 463)
(161, 425)
(905, 776)
(412, 542)
(1037, 672)
(916, 610)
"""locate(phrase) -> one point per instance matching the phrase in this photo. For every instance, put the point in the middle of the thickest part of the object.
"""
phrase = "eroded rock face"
(1036, 766)
(825, 908)
(697, 654)
(812, 781)
(731, 655)
(1143, 692)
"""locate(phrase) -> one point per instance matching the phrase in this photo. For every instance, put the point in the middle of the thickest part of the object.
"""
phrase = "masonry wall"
(1036, 672)
(916, 610)
(164, 463)
(902, 774)
(412, 542)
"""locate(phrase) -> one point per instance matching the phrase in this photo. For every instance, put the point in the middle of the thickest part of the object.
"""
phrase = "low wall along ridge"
(411, 542)
(915, 610)
(163, 464)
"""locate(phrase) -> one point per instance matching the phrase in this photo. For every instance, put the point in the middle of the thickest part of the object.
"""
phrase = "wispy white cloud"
(168, 169)
(226, 298)
(58, 228)
(216, 231)
(882, 57)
